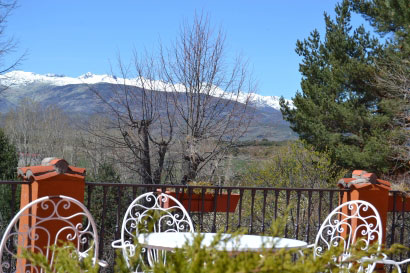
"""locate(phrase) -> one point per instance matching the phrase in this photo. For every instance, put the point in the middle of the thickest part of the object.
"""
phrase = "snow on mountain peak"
(18, 78)
(22, 78)
(86, 75)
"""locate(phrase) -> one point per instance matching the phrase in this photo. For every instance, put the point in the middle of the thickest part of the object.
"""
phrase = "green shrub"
(294, 165)
(66, 259)
(8, 157)
(196, 259)
(8, 168)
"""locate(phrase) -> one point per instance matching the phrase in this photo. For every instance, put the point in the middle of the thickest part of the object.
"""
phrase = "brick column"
(365, 186)
(54, 177)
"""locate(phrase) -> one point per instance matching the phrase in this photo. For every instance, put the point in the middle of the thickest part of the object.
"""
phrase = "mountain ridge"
(73, 96)
(20, 78)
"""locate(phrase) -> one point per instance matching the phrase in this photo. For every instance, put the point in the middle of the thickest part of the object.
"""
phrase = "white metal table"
(238, 243)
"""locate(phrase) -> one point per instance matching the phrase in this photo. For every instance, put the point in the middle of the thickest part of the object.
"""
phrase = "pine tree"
(391, 19)
(8, 168)
(8, 158)
(388, 17)
(338, 110)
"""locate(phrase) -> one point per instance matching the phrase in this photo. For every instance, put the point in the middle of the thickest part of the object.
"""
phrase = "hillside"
(73, 95)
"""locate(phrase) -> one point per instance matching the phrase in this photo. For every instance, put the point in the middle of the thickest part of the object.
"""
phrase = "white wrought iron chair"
(147, 214)
(398, 265)
(43, 223)
(340, 220)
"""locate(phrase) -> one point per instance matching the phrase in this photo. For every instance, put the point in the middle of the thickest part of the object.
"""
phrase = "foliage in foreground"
(196, 259)
(66, 259)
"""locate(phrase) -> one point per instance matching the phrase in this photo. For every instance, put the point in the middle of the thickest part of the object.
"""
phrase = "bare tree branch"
(211, 97)
(7, 45)
(184, 108)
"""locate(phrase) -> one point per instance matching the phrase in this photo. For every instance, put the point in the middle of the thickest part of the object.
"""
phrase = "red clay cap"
(50, 167)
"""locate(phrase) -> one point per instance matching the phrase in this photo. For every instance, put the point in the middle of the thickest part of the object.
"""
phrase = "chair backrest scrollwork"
(147, 214)
(44, 222)
(354, 222)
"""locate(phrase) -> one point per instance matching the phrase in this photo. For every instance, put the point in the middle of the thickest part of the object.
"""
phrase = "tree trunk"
(190, 168)
(161, 158)
(146, 173)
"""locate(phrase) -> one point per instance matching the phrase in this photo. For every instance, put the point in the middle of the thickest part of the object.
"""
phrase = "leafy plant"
(195, 258)
(296, 165)
(66, 259)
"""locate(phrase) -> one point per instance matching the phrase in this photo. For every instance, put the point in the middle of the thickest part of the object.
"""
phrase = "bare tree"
(142, 117)
(210, 95)
(96, 149)
(7, 44)
(39, 131)
(187, 103)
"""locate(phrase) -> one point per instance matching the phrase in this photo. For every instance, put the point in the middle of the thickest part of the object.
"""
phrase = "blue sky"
(74, 37)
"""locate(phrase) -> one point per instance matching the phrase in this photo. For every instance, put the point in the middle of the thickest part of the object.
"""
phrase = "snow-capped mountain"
(22, 79)
(73, 95)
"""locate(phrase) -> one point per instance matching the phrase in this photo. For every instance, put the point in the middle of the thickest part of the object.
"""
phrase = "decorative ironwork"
(398, 265)
(45, 222)
(352, 222)
(147, 214)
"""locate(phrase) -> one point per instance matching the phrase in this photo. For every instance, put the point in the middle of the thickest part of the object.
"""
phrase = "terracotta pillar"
(54, 177)
(365, 186)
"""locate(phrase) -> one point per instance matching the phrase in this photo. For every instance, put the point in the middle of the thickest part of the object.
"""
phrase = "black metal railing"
(398, 224)
(256, 211)
(302, 210)
(9, 201)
